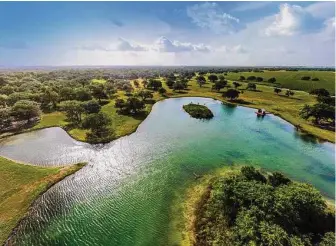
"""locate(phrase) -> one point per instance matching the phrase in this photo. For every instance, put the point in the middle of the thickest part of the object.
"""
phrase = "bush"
(272, 80)
(305, 78)
(92, 107)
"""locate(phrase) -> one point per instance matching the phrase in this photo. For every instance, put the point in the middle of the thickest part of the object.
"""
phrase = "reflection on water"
(123, 196)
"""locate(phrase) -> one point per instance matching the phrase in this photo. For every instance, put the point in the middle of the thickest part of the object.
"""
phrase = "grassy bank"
(264, 97)
(20, 185)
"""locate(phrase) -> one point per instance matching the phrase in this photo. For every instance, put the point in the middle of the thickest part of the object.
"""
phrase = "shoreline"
(48, 182)
(302, 129)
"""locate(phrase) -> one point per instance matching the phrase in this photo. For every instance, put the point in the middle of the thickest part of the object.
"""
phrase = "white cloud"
(321, 9)
(163, 44)
(209, 15)
(287, 22)
(125, 45)
(251, 6)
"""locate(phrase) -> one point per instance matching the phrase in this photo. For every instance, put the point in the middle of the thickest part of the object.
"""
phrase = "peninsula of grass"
(198, 111)
(20, 185)
(244, 206)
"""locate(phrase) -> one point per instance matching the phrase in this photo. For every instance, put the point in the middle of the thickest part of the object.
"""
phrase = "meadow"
(20, 185)
(292, 79)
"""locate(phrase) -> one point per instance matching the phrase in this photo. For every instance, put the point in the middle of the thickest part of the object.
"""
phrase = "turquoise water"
(125, 194)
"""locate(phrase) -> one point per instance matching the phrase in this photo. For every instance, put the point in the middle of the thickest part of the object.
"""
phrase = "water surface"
(124, 195)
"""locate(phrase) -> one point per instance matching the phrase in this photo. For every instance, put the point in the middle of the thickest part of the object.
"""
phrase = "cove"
(125, 193)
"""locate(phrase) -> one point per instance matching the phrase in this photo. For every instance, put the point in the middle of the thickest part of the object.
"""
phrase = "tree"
(272, 80)
(219, 85)
(170, 82)
(241, 78)
(319, 111)
(315, 79)
(305, 78)
(98, 91)
(276, 179)
(289, 93)
(7, 90)
(321, 99)
(95, 121)
(25, 110)
(98, 123)
(84, 81)
(119, 103)
(259, 79)
(231, 94)
(73, 110)
(221, 78)
(83, 94)
(277, 90)
(67, 93)
(49, 97)
(178, 86)
(3, 100)
(91, 107)
(328, 239)
(3, 81)
(134, 105)
(320, 92)
(251, 86)
(162, 91)
(5, 118)
(154, 84)
(201, 80)
(250, 173)
(212, 78)
(236, 84)
(145, 94)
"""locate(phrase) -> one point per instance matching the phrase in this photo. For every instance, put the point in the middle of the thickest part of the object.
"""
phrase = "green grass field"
(292, 79)
(20, 185)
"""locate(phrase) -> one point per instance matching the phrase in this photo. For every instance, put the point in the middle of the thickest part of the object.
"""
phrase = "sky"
(167, 33)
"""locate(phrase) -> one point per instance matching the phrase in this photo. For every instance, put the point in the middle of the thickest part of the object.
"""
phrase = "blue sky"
(167, 33)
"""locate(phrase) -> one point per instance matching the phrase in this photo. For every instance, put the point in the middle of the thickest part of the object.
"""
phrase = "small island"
(198, 111)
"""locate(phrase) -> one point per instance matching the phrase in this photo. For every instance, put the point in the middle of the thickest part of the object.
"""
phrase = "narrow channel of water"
(123, 196)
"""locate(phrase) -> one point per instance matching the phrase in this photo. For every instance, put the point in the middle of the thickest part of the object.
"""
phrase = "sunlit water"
(125, 193)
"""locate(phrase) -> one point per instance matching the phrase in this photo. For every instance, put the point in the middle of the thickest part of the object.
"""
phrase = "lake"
(125, 195)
